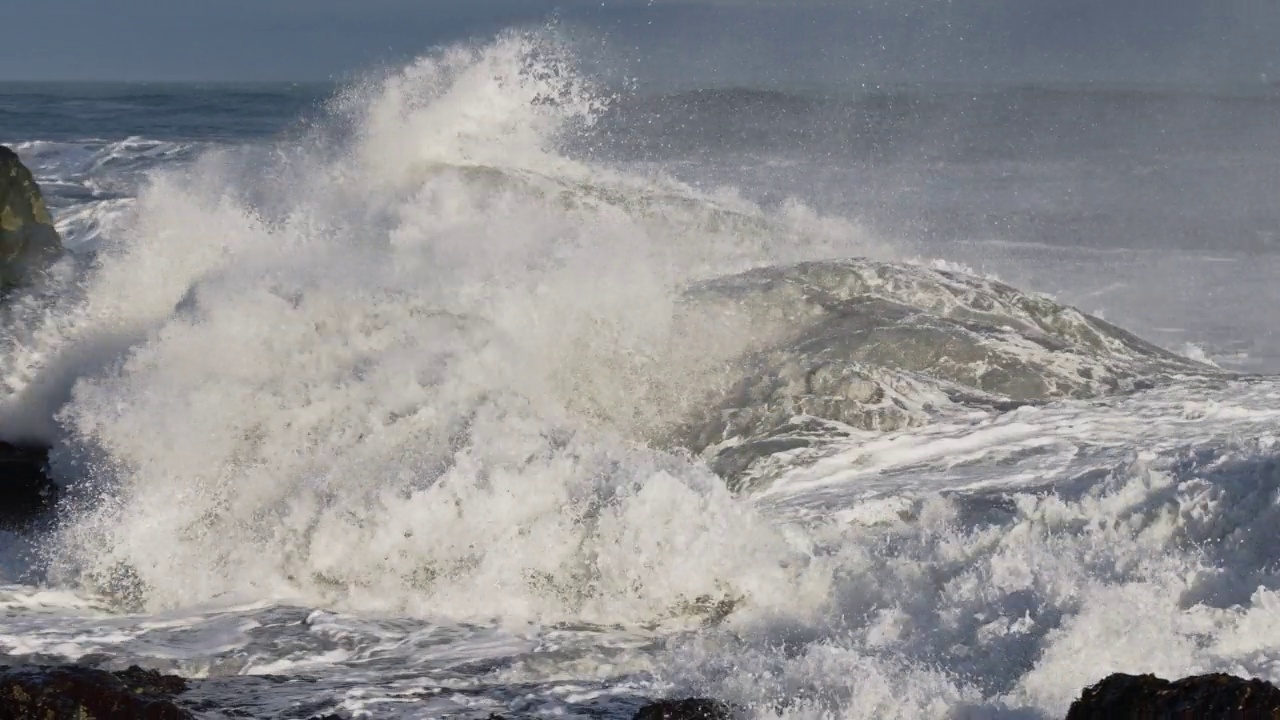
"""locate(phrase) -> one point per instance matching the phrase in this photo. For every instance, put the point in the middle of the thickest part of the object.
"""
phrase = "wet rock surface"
(28, 240)
(33, 692)
(1203, 697)
(688, 709)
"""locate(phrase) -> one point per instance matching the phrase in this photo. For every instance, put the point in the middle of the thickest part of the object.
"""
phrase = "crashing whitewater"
(429, 365)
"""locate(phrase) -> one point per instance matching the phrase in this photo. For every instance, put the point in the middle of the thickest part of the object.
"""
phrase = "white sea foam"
(1008, 604)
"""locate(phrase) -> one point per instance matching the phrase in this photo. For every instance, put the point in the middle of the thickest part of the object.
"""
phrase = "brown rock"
(28, 240)
(1204, 697)
(75, 693)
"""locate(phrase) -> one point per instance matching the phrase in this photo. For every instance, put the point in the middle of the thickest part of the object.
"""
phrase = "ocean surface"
(358, 395)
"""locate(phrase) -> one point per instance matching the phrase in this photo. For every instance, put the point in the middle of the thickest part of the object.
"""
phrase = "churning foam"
(416, 362)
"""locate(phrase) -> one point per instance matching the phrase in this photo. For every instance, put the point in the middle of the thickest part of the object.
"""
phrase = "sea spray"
(426, 375)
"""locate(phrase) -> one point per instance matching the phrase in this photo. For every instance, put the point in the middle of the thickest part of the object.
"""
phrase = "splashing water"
(417, 373)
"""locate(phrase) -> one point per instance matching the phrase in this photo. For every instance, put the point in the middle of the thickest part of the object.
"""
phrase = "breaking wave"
(416, 360)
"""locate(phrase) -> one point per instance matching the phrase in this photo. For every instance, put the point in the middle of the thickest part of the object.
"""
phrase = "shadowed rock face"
(28, 244)
(1147, 697)
(76, 693)
(690, 709)
(857, 344)
(28, 240)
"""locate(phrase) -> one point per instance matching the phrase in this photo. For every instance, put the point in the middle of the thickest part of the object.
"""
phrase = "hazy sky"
(673, 41)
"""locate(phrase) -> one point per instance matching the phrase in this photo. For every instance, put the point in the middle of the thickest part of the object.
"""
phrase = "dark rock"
(690, 709)
(1147, 697)
(28, 240)
(76, 693)
(26, 492)
(151, 682)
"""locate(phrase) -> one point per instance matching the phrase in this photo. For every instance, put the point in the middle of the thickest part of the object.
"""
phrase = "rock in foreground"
(1147, 697)
(76, 693)
(691, 709)
(28, 240)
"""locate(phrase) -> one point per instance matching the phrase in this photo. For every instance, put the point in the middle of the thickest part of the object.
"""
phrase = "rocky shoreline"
(69, 692)
(30, 692)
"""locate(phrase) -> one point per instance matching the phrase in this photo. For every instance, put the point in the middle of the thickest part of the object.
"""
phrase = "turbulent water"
(478, 386)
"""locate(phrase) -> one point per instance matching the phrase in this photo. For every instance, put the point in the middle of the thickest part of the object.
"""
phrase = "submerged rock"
(872, 346)
(1147, 697)
(77, 693)
(690, 709)
(28, 240)
(26, 492)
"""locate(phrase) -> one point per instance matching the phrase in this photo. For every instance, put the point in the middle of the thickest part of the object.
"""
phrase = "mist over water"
(389, 402)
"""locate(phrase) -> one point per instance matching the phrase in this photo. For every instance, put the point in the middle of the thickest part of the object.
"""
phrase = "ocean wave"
(859, 345)
(75, 159)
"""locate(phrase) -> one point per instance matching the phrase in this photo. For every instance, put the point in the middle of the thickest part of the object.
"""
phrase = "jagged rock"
(1147, 697)
(151, 682)
(28, 240)
(26, 492)
(865, 345)
(690, 709)
(76, 693)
